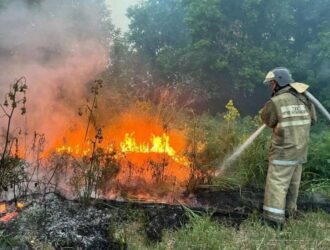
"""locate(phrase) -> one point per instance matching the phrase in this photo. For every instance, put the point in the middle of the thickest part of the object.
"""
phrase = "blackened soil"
(157, 217)
(250, 200)
(227, 208)
(64, 223)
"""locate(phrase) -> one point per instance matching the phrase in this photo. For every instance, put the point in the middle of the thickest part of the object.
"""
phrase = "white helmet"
(281, 75)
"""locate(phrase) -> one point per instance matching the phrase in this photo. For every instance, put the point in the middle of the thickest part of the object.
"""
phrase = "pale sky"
(118, 10)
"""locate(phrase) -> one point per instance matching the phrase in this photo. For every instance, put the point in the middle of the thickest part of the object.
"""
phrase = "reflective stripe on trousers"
(281, 191)
(285, 162)
(274, 210)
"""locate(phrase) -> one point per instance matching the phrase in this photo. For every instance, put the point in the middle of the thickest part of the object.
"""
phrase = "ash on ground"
(53, 222)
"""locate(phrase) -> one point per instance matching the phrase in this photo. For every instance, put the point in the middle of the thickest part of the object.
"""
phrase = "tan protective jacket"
(290, 114)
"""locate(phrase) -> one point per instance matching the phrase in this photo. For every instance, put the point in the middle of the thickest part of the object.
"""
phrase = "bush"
(11, 167)
(316, 174)
(319, 153)
(250, 169)
(211, 139)
(94, 174)
(217, 137)
(12, 174)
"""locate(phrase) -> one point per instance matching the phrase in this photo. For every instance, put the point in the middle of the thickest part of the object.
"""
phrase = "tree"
(312, 46)
(227, 46)
(157, 30)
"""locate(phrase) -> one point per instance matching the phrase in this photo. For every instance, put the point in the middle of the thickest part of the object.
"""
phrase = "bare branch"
(4, 111)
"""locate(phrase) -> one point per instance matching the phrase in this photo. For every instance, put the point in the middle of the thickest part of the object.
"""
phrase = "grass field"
(311, 232)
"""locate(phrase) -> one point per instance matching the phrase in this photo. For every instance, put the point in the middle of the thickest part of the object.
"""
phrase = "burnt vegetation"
(179, 92)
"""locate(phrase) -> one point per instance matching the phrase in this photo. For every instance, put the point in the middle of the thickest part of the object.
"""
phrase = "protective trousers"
(281, 191)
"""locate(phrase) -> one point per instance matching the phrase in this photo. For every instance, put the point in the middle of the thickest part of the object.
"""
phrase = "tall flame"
(158, 144)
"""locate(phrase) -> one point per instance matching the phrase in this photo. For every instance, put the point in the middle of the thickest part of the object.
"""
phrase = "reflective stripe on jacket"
(290, 114)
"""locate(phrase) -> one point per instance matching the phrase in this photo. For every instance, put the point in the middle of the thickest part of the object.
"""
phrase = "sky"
(118, 10)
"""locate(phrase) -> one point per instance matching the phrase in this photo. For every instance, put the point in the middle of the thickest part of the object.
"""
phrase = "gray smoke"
(59, 46)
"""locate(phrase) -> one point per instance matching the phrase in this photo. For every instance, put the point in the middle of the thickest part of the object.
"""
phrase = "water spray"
(301, 88)
(239, 150)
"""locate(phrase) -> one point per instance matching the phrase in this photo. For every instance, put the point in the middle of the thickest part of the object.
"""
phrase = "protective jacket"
(290, 114)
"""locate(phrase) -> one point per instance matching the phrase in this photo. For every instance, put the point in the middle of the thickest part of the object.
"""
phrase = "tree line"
(224, 48)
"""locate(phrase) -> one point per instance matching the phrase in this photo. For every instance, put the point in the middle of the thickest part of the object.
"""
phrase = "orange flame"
(8, 217)
(9, 213)
(158, 144)
(3, 208)
(76, 150)
(130, 133)
(147, 153)
(20, 205)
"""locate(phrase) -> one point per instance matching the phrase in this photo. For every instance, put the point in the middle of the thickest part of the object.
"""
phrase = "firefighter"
(290, 114)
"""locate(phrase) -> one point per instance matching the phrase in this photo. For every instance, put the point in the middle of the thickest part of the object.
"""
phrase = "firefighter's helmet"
(281, 75)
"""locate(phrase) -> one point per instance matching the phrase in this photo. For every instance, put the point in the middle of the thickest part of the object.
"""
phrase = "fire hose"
(317, 104)
(252, 137)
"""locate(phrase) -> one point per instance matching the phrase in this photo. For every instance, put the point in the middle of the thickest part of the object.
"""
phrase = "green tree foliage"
(222, 44)
(158, 30)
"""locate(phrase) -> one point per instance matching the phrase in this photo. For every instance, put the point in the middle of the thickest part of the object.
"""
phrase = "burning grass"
(129, 157)
(147, 150)
(131, 154)
(10, 211)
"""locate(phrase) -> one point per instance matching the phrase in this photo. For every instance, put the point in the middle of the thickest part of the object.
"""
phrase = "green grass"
(312, 232)
(7, 241)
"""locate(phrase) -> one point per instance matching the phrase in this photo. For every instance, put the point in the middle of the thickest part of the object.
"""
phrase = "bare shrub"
(11, 166)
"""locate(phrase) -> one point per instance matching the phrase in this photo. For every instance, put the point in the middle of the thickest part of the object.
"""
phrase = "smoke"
(59, 46)
(324, 71)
